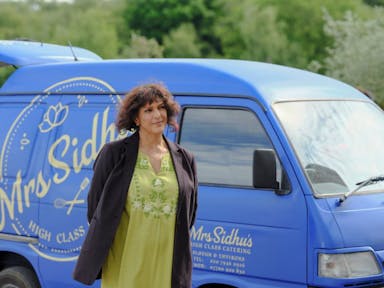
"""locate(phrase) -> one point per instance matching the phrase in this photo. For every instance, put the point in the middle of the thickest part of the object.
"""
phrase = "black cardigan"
(113, 171)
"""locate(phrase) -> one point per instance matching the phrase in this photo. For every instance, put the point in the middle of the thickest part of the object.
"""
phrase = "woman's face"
(152, 118)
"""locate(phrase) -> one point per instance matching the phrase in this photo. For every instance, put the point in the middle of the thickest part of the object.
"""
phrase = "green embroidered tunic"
(142, 251)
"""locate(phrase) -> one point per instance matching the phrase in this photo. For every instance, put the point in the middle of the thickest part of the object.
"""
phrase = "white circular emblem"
(43, 183)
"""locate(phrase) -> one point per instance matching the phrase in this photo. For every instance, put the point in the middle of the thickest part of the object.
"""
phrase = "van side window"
(223, 142)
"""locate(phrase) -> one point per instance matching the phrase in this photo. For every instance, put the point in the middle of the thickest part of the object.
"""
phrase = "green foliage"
(141, 47)
(82, 23)
(5, 71)
(97, 24)
(302, 23)
(13, 19)
(250, 32)
(284, 32)
(157, 18)
(182, 42)
(374, 2)
(357, 55)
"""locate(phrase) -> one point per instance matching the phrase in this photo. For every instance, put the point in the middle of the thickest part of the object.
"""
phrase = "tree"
(141, 47)
(157, 18)
(182, 42)
(83, 23)
(357, 53)
(374, 2)
(5, 72)
(302, 24)
(282, 32)
(250, 32)
(13, 20)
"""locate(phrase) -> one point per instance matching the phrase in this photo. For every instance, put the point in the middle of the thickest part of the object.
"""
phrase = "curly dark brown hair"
(138, 97)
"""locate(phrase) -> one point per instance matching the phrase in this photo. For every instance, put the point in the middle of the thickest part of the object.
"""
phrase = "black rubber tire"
(18, 277)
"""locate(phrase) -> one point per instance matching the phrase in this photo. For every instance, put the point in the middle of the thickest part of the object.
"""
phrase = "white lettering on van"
(220, 235)
(38, 186)
(41, 232)
(68, 154)
(82, 155)
(71, 236)
(200, 235)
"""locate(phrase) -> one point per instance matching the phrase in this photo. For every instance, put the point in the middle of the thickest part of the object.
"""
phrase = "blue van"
(290, 166)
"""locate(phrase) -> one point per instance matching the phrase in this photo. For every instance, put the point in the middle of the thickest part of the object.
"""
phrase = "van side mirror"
(265, 172)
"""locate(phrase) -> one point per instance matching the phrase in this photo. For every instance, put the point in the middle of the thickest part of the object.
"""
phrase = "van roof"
(22, 53)
(266, 82)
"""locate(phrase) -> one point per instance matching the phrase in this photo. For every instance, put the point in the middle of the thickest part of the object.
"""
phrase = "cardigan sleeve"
(102, 167)
(190, 159)
(195, 191)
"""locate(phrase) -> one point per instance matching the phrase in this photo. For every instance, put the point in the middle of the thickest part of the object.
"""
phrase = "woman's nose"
(157, 113)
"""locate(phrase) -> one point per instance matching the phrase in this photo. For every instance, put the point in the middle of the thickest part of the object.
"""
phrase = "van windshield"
(338, 143)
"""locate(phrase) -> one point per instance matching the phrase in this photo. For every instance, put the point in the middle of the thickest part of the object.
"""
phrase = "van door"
(20, 184)
(241, 230)
(85, 124)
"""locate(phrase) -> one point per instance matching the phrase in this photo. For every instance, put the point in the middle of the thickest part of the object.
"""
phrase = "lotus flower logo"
(55, 116)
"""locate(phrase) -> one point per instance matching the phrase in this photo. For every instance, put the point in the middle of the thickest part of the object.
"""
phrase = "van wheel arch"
(17, 272)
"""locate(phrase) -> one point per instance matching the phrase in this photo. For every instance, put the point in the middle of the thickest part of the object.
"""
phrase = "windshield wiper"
(361, 184)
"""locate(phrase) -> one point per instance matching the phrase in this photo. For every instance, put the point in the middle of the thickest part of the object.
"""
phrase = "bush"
(357, 54)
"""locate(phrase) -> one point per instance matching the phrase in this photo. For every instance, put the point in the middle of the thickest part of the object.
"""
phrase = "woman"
(142, 201)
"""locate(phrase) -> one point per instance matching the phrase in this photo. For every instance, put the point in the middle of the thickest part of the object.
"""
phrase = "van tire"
(18, 277)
